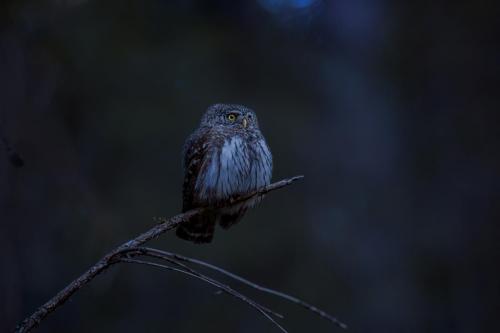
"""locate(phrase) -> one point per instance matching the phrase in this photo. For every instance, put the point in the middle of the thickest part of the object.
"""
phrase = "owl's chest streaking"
(229, 166)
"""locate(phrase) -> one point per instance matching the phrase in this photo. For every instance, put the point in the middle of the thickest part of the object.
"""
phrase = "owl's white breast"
(236, 168)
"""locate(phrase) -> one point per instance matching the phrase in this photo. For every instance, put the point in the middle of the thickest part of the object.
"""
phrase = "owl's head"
(230, 115)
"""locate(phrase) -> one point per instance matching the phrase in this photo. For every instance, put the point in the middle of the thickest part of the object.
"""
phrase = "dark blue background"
(390, 110)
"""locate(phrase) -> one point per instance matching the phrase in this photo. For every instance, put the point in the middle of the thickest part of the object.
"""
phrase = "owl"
(226, 157)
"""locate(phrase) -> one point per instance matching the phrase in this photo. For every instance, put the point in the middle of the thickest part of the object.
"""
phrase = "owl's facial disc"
(243, 119)
(236, 118)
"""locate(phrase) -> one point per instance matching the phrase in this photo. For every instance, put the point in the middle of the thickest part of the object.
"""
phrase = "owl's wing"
(194, 155)
(201, 167)
(200, 228)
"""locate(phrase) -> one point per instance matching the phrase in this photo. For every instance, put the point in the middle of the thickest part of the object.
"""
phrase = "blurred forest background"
(389, 108)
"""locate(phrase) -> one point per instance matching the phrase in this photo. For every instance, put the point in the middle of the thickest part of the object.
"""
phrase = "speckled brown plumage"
(225, 157)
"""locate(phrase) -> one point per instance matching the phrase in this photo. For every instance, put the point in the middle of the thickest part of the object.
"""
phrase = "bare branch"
(115, 255)
(166, 255)
(263, 310)
(186, 268)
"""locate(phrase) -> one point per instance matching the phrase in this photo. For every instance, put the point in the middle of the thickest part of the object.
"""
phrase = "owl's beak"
(245, 122)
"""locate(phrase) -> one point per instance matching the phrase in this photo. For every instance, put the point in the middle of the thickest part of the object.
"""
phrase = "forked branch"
(263, 310)
(159, 254)
(126, 251)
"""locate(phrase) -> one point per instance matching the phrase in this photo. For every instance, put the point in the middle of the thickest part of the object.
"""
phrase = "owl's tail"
(199, 229)
(229, 219)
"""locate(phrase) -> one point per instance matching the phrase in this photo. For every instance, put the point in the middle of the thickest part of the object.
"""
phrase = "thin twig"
(263, 310)
(310, 307)
(113, 257)
(135, 253)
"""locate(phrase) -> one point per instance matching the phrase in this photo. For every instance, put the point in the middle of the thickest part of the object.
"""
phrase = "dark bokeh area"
(389, 109)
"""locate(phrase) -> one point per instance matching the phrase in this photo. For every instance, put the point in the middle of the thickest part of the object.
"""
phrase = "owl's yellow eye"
(231, 117)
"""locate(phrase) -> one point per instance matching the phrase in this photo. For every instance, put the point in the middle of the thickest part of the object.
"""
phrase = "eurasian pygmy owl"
(226, 157)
